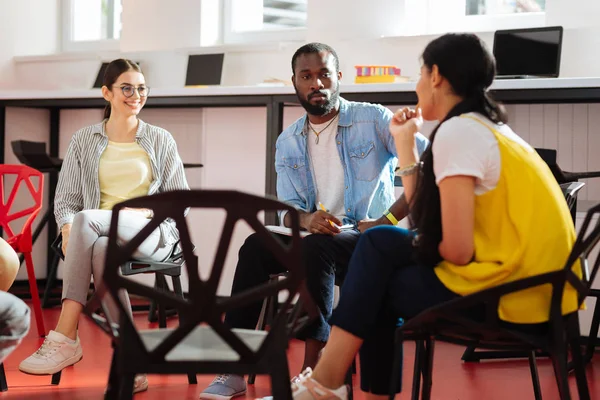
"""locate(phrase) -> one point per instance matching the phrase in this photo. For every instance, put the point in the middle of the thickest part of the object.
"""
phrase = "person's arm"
(173, 172)
(457, 202)
(404, 127)
(68, 199)
(399, 209)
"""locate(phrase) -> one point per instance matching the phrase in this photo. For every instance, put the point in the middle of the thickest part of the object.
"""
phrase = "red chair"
(22, 242)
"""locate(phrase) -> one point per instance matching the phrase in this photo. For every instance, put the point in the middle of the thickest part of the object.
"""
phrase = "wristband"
(388, 214)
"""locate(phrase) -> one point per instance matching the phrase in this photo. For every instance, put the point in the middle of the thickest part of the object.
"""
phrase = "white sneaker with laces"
(56, 353)
(306, 388)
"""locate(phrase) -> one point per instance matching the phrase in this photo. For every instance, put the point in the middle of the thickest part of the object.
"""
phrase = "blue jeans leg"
(384, 283)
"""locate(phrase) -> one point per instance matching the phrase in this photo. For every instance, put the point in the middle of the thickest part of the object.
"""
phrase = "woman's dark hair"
(464, 61)
(114, 69)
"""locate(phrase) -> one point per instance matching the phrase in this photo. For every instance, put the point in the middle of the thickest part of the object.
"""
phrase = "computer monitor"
(531, 52)
(100, 75)
(204, 69)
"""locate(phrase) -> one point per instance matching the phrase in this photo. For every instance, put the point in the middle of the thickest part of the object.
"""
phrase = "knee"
(9, 265)
(252, 246)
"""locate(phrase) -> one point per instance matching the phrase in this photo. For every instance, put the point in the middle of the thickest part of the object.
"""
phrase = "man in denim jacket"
(336, 166)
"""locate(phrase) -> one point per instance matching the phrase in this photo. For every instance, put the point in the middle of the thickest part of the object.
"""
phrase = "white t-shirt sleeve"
(466, 147)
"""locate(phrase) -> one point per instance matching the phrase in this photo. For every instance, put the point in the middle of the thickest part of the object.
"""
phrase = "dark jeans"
(383, 284)
(325, 257)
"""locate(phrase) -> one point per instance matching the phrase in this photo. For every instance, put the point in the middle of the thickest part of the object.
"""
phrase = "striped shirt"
(78, 184)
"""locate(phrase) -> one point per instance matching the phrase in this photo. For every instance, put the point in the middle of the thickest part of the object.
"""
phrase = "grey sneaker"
(224, 387)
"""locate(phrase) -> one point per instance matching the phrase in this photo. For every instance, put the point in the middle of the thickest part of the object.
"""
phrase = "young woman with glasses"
(120, 158)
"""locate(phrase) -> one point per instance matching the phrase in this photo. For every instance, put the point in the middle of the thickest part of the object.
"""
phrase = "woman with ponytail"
(120, 158)
(485, 210)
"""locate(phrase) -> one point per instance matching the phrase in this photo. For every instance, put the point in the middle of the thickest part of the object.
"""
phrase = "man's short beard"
(324, 108)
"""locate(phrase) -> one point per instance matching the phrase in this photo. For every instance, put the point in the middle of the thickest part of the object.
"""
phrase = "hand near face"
(405, 124)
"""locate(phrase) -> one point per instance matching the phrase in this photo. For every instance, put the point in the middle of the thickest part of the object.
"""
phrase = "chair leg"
(112, 388)
(417, 370)
(428, 368)
(262, 324)
(3, 383)
(593, 336)
(280, 374)
(162, 316)
(152, 317)
(535, 378)
(578, 363)
(50, 281)
(56, 378)
(192, 379)
(470, 355)
(35, 296)
(559, 362)
(126, 386)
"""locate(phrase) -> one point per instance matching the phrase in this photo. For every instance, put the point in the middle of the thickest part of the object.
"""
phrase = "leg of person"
(383, 283)
(62, 347)
(255, 265)
(324, 257)
(15, 318)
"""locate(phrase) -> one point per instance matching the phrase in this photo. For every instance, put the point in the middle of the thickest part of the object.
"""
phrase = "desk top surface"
(503, 84)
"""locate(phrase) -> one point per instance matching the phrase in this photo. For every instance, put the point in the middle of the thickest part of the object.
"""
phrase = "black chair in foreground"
(202, 343)
(454, 322)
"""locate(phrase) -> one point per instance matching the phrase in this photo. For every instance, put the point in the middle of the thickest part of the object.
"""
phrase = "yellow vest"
(523, 228)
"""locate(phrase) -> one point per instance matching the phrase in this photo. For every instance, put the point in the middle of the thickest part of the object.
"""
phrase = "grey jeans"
(86, 250)
(14, 323)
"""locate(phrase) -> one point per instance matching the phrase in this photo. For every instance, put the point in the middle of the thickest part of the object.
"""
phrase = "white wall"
(355, 32)
(26, 27)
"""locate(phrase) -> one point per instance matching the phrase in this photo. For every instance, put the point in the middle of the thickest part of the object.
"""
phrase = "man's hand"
(365, 224)
(319, 222)
(65, 231)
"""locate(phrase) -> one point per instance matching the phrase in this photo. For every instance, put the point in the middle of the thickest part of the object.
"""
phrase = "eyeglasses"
(129, 90)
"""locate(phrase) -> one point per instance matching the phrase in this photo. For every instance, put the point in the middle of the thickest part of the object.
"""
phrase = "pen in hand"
(322, 207)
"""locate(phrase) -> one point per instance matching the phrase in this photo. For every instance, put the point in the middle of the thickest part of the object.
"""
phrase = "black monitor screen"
(528, 51)
(204, 69)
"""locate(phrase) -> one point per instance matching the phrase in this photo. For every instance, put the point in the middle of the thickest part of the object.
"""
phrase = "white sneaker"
(140, 383)
(56, 353)
(306, 388)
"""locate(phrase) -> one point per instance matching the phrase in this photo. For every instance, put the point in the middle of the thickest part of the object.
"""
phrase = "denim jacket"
(368, 154)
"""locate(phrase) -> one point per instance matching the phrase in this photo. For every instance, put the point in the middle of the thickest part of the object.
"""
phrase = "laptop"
(528, 53)
(204, 70)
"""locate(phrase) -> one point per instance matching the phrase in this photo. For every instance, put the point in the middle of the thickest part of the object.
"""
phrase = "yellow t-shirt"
(523, 228)
(124, 173)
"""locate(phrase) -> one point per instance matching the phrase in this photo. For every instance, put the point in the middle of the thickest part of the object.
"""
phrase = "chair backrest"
(549, 156)
(570, 191)
(34, 154)
(587, 239)
(24, 175)
(202, 305)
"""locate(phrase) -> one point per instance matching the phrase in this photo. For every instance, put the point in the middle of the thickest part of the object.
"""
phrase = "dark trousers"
(325, 257)
(384, 284)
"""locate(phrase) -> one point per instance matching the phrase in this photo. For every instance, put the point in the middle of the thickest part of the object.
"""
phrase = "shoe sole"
(67, 363)
(210, 396)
